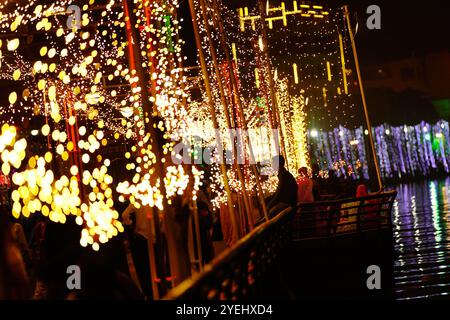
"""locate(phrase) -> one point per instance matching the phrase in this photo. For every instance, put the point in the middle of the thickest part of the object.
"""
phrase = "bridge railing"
(236, 274)
(343, 216)
(233, 275)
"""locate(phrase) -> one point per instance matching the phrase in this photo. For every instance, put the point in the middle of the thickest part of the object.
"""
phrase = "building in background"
(428, 74)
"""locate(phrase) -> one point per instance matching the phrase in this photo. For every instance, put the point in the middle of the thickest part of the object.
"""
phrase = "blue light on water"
(421, 220)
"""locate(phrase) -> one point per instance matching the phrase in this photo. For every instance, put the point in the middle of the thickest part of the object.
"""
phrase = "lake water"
(421, 225)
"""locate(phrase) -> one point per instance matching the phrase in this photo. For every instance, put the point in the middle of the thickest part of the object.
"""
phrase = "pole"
(273, 95)
(151, 254)
(292, 146)
(213, 116)
(363, 97)
(224, 101)
(135, 60)
(197, 236)
(223, 41)
(344, 75)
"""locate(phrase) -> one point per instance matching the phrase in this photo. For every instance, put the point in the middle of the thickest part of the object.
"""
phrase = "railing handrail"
(215, 272)
(227, 255)
(334, 218)
(386, 194)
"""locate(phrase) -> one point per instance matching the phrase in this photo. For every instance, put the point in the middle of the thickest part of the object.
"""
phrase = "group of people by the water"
(324, 211)
(310, 186)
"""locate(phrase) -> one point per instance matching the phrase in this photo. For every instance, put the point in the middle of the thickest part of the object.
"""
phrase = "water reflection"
(421, 217)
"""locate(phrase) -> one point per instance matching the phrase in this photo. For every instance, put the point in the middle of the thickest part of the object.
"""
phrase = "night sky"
(408, 27)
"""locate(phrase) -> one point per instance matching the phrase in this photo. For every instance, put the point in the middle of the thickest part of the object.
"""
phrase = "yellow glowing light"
(329, 76)
(85, 158)
(45, 130)
(12, 97)
(16, 75)
(13, 44)
(295, 68)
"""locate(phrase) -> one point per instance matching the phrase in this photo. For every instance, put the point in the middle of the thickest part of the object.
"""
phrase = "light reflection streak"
(421, 234)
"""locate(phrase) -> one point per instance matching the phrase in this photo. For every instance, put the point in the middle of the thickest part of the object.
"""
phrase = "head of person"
(361, 191)
(303, 172)
(278, 162)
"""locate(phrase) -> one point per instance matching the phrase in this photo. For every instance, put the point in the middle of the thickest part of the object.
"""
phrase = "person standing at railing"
(305, 186)
(286, 193)
(369, 213)
(350, 210)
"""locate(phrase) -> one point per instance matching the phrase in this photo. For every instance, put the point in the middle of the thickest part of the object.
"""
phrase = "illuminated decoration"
(60, 78)
(14, 14)
(281, 14)
(293, 124)
(143, 191)
(304, 52)
(233, 49)
(12, 151)
(39, 191)
(117, 83)
(198, 178)
(344, 70)
(329, 71)
(257, 82)
(312, 52)
(88, 90)
(404, 151)
(294, 66)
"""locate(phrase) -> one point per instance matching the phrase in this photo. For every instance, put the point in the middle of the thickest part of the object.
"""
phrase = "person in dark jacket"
(286, 193)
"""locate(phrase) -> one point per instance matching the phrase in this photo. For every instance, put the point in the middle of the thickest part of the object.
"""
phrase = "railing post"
(358, 216)
(329, 222)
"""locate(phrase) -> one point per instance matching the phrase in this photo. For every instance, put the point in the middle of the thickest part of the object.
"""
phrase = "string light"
(403, 151)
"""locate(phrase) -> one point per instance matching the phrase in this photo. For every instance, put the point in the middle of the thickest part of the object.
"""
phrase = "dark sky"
(408, 27)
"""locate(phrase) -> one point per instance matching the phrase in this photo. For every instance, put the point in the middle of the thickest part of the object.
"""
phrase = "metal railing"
(344, 216)
(236, 274)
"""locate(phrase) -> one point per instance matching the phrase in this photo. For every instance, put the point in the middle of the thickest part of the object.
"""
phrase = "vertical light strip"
(257, 77)
(241, 19)
(261, 43)
(283, 11)
(294, 66)
(344, 73)
(325, 102)
(329, 71)
(233, 49)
